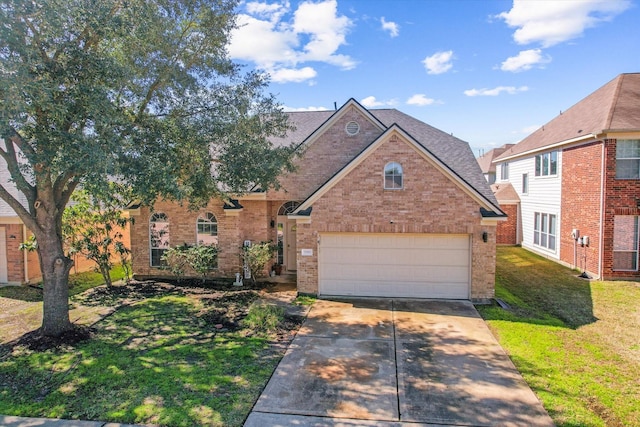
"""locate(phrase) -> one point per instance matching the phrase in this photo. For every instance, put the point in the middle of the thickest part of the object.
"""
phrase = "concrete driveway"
(396, 362)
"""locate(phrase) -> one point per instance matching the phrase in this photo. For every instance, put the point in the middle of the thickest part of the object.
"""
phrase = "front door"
(290, 258)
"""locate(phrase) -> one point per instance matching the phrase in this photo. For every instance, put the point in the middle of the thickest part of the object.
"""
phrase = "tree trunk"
(55, 274)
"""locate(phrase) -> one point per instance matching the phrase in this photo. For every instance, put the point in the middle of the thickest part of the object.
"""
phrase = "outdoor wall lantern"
(485, 236)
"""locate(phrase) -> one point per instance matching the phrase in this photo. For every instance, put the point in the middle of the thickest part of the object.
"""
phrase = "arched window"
(288, 207)
(393, 176)
(207, 229)
(158, 237)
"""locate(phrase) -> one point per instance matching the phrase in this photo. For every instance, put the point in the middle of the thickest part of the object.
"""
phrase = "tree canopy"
(140, 92)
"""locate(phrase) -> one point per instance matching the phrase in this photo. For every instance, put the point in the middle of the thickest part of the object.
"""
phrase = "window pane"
(625, 261)
(628, 148)
(625, 233)
(538, 165)
(628, 168)
(552, 242)
(543, 223)
(525, 183)
(552, 225)
(545, 164)
(553, 166)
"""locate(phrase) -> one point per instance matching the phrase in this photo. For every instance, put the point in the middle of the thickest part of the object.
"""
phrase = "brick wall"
(580, 205)
(322, 159)
(252, 223)
(507, 231)
(429, 203)
(622, 197)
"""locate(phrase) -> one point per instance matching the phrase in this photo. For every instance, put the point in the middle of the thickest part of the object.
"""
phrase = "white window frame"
(545, 160)
(525, 183)
(207, 229)
(626, 154)
(504, 171)
(158, 221)
(545, 231)
(390, 173)
(623, 234)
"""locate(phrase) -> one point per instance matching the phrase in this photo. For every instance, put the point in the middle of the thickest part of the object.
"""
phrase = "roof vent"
(352, 128)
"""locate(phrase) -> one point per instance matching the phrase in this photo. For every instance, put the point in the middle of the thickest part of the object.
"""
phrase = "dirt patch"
(222, 307)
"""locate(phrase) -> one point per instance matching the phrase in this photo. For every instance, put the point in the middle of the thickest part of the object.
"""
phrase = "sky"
(489, 72)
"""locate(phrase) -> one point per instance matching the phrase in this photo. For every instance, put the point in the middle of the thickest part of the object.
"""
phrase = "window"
(504, 171)
(393, 176)
(525, 183)
(625, 243)
(628, 159)
(207, 230)
(547, 164)
(158, 237)
(544, 230)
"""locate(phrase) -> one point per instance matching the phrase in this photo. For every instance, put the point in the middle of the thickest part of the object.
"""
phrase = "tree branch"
(20, 210)
(61, 182)
(11, 158)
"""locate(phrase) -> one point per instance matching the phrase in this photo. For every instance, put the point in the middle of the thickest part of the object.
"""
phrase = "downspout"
(25, 255)
(602, 189)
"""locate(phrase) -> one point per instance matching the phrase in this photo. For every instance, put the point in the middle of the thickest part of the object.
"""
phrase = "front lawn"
(575, 342)
(168, 355)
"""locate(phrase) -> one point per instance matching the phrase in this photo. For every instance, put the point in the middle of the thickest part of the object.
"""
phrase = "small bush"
(263, 317)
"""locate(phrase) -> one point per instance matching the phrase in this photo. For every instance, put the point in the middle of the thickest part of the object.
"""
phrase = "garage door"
(3, 256)
(394, 265)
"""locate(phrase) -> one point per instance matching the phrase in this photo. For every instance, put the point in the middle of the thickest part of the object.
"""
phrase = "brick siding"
(507, 231)
(580, 205)
(622, 197)
(429, 203)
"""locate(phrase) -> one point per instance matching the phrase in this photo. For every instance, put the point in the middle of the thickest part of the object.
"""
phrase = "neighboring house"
(486, 162)
(16, 266)
(581, 171)
(381, 204)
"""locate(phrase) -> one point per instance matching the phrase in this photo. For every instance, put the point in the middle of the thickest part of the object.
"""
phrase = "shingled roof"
(486, 160)
(615, 107)
(453, 152)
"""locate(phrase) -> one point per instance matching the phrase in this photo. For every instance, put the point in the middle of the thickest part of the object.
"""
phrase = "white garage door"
(394, 265)
(3, 256)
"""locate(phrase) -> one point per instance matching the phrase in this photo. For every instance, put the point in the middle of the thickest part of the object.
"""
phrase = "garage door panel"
(387, 265)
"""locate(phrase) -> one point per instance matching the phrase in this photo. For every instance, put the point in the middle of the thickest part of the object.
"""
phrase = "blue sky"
(488, 71)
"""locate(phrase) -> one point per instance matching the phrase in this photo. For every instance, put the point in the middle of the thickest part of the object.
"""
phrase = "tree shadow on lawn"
(539, 291)
(159, 361)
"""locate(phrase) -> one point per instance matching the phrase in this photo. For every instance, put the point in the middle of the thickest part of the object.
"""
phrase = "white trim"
(430, 158)
(492, 221)
(593, 136)
(300, 219)
(10, 220)
(250, 196)
(337, 115)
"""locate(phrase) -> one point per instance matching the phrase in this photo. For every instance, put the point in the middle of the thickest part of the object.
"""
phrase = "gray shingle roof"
(453, 152)
(613, 107)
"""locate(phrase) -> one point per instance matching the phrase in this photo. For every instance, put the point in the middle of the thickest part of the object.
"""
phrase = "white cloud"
(296, 75)
(420, 100)
(313, 32)
(553, 22)
(372, 102)
(392, 27)
(296, 109)
(525, 60)
(511, 90)
(439, 62)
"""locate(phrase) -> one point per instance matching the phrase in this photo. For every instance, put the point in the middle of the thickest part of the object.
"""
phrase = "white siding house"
(540, 195)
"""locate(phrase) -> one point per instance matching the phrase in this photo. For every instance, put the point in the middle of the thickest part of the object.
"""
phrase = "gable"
(397, 146)
(328, 149)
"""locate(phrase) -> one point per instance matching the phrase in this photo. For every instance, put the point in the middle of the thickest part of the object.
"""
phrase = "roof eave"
(582, 138)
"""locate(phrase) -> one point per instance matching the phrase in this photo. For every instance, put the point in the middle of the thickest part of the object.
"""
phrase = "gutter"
(582, 138)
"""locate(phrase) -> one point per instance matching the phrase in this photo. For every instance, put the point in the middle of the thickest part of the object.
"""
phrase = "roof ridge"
(614, 102)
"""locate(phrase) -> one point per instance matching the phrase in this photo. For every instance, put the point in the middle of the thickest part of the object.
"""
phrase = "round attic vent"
(352, 128)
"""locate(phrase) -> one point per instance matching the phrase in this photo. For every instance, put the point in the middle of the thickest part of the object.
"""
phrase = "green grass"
(158, 361)
(575, 342)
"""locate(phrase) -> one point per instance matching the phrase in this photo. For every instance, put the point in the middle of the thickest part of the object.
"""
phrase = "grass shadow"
(539, 291)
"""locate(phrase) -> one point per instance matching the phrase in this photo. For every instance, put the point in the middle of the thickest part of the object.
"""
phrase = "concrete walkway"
(396, 363)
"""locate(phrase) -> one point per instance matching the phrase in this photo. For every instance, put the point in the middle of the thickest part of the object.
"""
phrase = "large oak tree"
(138, 92)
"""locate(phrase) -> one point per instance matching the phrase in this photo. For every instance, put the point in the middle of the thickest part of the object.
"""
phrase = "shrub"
(257, 256)
(263, 317)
